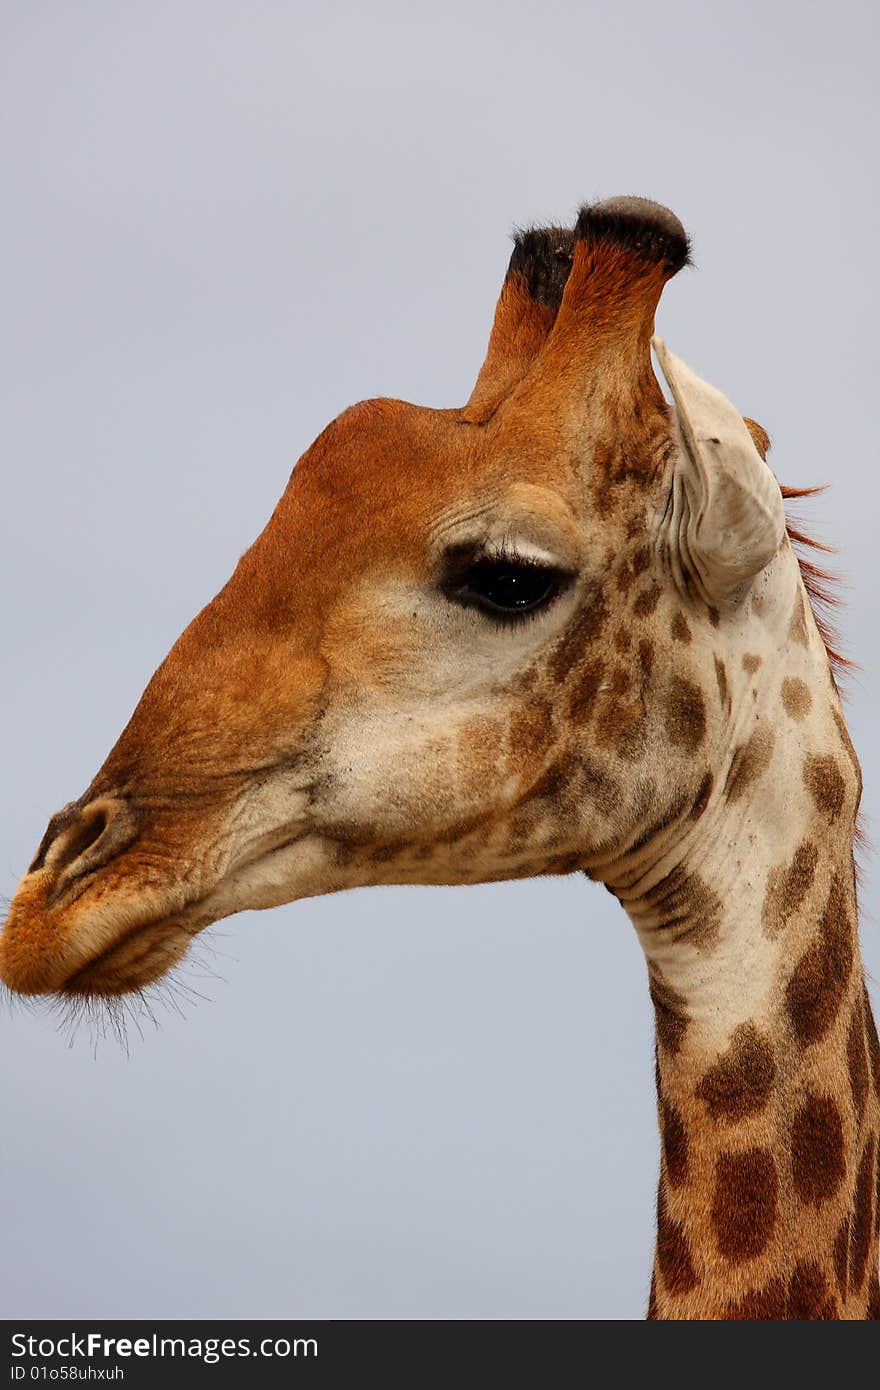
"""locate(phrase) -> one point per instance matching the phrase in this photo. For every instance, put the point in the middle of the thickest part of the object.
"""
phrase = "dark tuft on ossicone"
(542, 256)
(639, 225)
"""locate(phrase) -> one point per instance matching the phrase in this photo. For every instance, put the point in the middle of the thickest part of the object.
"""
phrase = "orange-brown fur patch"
(872, 1040)
(860, 1229)
(857, 1059)
(673, 1251)
(530, 728)
(761, 1305)
(841, 1256)
(652, 1298)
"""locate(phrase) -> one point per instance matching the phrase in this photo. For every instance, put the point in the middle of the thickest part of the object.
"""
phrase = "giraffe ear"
(728, 516)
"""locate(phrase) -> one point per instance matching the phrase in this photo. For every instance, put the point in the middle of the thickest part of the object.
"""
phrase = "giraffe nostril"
(83, 839)
(83, 834)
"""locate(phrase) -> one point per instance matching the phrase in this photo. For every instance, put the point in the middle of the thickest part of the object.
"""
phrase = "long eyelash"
(512, 619)
(501, 555)
(507, 554)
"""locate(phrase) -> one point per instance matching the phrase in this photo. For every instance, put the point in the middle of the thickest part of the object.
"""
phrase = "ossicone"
(646, 229)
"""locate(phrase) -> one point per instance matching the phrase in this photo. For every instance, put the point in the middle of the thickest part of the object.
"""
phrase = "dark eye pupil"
(502, 587)
(512, 588)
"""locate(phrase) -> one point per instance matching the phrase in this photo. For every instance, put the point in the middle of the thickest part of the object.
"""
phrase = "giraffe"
(562, 628)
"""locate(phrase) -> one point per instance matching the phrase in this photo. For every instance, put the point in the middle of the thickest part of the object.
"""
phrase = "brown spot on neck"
(685, 714)
(787, 886)
(740, 1082)
(750, 762)
(848, 748)
(624, 581)
(675, 1144)
(670, 1013)
(815, 991)
(744, 1206)
(647, 600)
(818, 1164)
(824, 781)
(641, 560)
(796, 697)
(797, 628)
(809, 1297)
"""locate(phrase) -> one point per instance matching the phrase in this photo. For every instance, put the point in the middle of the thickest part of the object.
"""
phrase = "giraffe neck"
(768, 1065)
(769, 1129)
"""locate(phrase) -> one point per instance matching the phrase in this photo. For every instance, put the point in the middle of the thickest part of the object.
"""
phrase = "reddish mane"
(819, 583)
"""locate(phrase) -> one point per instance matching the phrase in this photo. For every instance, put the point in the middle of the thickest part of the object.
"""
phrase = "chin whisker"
(146, 1009)
(118, 1018)
(15, 1003)
(189, 992)
(200, 959)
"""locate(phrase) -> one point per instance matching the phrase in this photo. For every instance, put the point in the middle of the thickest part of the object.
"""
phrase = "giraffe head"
(469, 645)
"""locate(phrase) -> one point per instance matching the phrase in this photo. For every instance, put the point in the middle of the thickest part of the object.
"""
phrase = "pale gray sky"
(222, 224)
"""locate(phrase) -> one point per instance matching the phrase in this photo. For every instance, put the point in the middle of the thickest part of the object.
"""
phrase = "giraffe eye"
(506, 589)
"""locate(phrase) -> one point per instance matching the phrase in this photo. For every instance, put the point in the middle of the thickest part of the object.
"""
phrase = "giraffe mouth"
(141, 956)
(150, 948)
(106, 946)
